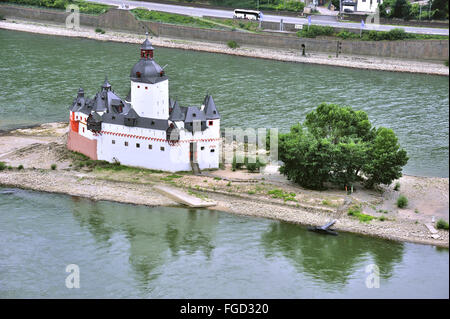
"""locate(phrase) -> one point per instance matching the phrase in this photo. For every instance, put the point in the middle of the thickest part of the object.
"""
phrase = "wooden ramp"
(182, 197)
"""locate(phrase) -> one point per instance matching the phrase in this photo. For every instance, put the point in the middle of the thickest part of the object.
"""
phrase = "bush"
(442, 224)
(355, 211)
(232, 44)
(397, 186)
(2, 166)
(235, 165)
(402, 201)
(253, 167)
(20, 167)
(53, 167)
(315, 30)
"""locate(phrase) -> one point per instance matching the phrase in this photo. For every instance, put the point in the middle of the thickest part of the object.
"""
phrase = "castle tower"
(149, 86)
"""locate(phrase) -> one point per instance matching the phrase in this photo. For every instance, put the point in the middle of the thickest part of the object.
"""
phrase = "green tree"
(440, 8)
(338, 145)
(386, 158)
(306, 159)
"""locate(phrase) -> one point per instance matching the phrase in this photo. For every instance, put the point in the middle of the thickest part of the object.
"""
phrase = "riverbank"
(38, 149)
(349, 61)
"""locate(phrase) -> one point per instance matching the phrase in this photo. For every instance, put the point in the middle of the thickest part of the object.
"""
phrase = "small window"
(139, 86)
(214, 112)
(211, 123)
(113, 117)
(113, 141)
(202, 148)
(138, 145)
(126, 143)
(212, 150)
(153, 122)
(149, 146)
(83, 129)
(138, 75)
(162, 148)
(194, 115)
(146, 88)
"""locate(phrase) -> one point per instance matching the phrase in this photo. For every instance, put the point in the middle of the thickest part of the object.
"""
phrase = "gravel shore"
(36, 149)
(349, 61)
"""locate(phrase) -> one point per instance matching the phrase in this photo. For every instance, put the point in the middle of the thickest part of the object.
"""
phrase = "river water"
(135, 251)
(40, 76)
(127, 251)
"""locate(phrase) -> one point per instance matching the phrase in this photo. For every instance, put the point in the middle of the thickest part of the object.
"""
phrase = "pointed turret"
(211, 111)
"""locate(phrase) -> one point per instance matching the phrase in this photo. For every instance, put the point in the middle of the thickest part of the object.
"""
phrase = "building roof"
(178, 113)
(147, 71)
(146, 45)
(211, 111)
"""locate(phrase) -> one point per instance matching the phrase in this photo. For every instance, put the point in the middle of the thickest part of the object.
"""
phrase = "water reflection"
(330, 259)
(153, 234)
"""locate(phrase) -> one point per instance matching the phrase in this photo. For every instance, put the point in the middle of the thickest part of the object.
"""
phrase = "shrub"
(355, 211)
(402, 201)
(232, 44)
(253, 167)
(53, 167)
(235, 164)
(442, 224)
(98, 30)
(316, 30)
(20, 167)
(397, 186)
(2, 166)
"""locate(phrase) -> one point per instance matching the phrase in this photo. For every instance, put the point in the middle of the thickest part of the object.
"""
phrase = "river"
(127, 251)
(41, 74)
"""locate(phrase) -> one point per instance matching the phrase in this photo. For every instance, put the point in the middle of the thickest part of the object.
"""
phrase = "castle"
(147, 128)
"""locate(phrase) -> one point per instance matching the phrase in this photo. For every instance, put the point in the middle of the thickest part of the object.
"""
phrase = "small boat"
(324, 229)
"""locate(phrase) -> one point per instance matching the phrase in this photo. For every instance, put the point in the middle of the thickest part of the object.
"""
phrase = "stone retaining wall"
(116, 19)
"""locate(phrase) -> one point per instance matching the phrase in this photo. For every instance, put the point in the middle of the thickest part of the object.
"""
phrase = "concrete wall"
(116, 19)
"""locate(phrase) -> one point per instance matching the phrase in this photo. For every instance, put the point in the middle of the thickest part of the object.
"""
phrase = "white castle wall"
(151, 100)
(161, 155)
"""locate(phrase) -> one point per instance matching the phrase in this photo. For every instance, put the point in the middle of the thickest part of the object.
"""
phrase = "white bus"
(246, 14)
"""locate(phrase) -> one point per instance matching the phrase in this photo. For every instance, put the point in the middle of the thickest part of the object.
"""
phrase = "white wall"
(151, 100)
(172, 158)
(368, 5)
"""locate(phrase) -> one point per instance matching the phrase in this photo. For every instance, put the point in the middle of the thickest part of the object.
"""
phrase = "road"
(222, 13)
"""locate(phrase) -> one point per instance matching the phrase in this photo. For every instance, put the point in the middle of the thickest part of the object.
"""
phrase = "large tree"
(338, 145)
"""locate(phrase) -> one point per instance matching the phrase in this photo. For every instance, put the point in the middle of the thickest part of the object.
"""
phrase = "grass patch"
(402, 201)
(442, 224)
(2, 166)
(82, 161)
(171, 18)
(355, 211)
(279, 193)
(169, 178)
(84, 6)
